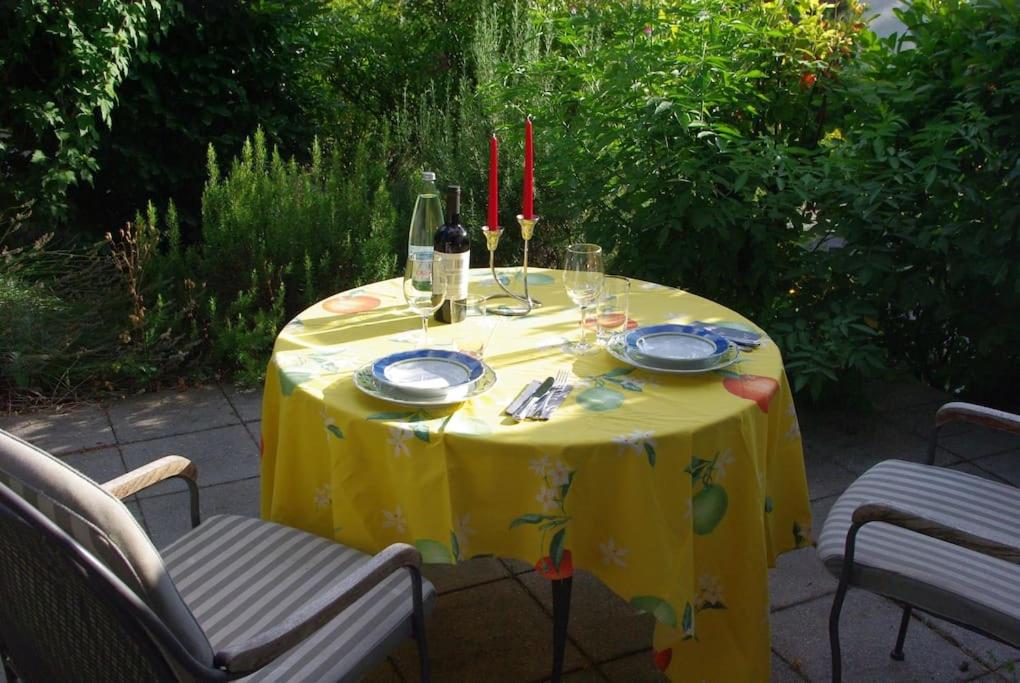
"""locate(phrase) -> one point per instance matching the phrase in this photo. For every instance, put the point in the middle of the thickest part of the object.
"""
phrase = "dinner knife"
(543, 388)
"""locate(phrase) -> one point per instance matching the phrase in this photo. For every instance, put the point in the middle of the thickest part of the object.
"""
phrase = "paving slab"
(494, 632)
(386, 672)
(799, 575)
(100, 466)
(991, 653)
(168, 517)
(783, 672)
(899, 392)
(149, 416)
(825, 477)
(222, 455)
(451, 577)
(246, 401)
(868, 633)
(255, 431)
(980, 442)
(60, 432)
(601, 623)
(881, 441)
(517, 566)
(637, 668)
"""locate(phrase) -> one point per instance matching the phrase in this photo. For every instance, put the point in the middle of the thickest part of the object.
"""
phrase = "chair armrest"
(971, 412)
(986, 417)
(263, 648)
(877, 512)
(167, 467)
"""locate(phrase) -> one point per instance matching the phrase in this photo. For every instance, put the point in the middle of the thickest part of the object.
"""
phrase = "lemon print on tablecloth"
(709, 504)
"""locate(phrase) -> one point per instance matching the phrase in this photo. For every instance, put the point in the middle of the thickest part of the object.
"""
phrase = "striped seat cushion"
(936, 576)
(241, 575)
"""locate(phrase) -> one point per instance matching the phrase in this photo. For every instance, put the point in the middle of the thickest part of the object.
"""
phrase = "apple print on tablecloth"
(662, 658)
(756, 388)
(708, 505)
(556, 481)
(599, 397)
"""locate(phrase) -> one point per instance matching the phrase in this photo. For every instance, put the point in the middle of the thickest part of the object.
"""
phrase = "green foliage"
(922, 183)
(223, 69)
(60, 67)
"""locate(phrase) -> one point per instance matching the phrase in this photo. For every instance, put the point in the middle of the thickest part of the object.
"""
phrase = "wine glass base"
(579, 349)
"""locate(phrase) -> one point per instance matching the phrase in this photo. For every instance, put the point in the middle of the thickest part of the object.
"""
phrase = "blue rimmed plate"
(618, 349)
(676, 346)
(428, 372)
(365, 381)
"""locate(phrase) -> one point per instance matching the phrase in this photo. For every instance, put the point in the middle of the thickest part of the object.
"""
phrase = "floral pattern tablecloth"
(676, 491)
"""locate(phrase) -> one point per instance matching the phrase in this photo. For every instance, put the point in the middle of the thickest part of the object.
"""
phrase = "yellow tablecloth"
(676, 491)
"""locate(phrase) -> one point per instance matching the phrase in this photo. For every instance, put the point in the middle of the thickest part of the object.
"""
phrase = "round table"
(678, 492)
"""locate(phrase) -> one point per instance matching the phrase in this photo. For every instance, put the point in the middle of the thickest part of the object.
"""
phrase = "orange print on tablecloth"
(547, 568)
(345, 305)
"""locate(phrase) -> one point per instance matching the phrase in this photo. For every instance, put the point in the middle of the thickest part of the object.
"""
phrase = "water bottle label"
(421, 271)
(454, 269)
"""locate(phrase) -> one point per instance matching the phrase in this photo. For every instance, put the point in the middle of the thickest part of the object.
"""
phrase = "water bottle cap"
(428, 176)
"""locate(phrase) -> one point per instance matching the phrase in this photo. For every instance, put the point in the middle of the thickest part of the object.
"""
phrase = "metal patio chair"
(85, 596)
(931, 538)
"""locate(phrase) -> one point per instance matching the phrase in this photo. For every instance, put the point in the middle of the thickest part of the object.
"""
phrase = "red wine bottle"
(452, 258)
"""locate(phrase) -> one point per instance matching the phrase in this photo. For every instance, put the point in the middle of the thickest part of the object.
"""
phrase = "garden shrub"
(922, 182)
(61, 65)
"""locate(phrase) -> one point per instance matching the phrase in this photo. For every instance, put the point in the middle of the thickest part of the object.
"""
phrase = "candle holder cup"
(527, 304)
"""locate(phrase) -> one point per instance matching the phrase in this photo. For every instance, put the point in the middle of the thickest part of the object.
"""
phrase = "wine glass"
(582, 278)
(424, 289)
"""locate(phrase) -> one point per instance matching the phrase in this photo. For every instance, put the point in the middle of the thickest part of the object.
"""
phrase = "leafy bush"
(60, 66)
(922, 184)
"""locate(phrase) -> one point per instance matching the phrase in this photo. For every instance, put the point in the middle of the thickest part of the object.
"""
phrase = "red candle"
(493, 221)
(529, 172)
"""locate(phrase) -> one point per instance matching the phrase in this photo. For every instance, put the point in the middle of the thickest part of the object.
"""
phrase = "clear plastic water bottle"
(427, 217)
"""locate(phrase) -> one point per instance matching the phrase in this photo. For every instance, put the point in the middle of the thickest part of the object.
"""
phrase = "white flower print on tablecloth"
(539, 465)
(638, 443)
(793, 432)
(323, 497)
(395, 520)
(547, 497)
(613, 555)
(710, 593)
(462, 533)
(399, 437)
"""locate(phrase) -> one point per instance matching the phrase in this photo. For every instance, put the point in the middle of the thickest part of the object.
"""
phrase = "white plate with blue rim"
(682, 347)
(365, 381)
(618, 349)
(428, 373)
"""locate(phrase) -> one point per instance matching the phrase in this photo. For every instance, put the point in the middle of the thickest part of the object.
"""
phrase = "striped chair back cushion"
(101, 524)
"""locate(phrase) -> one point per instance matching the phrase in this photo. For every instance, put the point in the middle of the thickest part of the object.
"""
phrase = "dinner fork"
(561, 380)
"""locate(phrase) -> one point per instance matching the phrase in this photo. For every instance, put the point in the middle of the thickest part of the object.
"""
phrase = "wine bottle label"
(453, 268)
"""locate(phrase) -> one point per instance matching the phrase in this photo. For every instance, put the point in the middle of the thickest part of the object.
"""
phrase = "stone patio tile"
(799, 575)
(825, 477)
(635, 668)
(602, 623)
(868, 633)
(897, 393)
(976, 469)
(384, 673)
(517, 566)
(255, 431)
(920, 420)
(247, 401)
(980, 442)
(585, 675)
(221, 455)
(489, 633)
(880, 441)
(451, 577)
(63, 432)
(100, 466)
(783, 672)
(168, 517)
(991, 653)
(149, 416)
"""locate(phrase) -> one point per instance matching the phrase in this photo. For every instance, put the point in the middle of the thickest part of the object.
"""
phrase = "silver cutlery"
(523, 396)
(561, 379)
(523, 412)
(559, 395)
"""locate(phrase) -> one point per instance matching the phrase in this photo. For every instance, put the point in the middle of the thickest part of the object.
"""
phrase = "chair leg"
(561, 615)
(418, 623)
(897, 652)
(837, 607)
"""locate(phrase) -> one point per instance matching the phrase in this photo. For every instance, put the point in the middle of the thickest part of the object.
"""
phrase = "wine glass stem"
(584, 329)
(424, 329)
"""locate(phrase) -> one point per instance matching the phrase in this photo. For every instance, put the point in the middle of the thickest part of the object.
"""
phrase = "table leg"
(561, 614)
